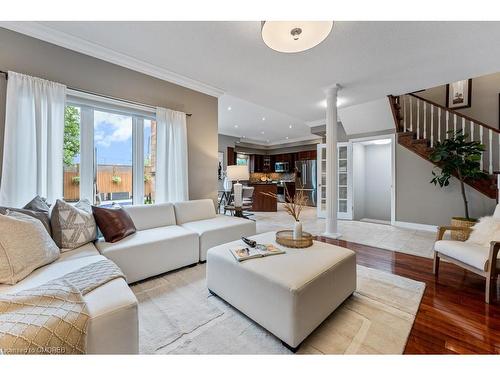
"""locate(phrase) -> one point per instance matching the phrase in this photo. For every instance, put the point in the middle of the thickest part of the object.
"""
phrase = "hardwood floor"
(453, 317)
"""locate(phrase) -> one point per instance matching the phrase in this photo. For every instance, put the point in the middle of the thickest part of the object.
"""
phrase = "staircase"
(420, 123)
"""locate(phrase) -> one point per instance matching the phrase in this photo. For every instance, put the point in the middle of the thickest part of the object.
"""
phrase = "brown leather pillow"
(114, 223)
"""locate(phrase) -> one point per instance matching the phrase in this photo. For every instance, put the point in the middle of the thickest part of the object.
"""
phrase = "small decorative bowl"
(285, 238)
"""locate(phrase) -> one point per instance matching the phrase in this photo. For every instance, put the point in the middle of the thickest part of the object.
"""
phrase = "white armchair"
(481, 260)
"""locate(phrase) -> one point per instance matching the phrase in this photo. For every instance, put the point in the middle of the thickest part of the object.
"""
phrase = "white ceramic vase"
(297, 230)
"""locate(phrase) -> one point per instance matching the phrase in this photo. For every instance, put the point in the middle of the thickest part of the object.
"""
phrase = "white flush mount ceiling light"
(294, 36)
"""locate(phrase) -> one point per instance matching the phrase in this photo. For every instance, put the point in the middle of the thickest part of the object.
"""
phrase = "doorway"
(373, 196)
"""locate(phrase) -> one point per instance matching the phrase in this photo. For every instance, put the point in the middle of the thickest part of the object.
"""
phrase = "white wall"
(358, 181)
(378, 182)
(419, 201)
(372, 181)
(367, 117)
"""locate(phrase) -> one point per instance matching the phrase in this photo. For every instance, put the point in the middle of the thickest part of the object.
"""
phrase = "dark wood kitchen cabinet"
(261, 163)
(231, 156)
(262, 202)
(306, 155)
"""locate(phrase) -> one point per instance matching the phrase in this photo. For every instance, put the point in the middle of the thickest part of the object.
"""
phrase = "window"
(149, 161)
(109, 151)
(71, 154)
(113, 154)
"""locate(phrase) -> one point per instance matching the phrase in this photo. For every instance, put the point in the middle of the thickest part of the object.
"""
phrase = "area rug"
(177, 315)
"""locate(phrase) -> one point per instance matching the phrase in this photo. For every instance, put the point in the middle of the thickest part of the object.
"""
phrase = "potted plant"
(116, 179)
(293, 206)
(457, 156)
(75, 180)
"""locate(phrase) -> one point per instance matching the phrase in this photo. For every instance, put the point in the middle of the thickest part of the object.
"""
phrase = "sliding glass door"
(109, 156)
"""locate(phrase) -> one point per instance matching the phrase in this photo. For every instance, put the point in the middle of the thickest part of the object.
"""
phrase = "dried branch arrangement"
(293, 206)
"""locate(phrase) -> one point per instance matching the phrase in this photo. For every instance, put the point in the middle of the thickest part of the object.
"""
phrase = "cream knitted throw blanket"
(52, 318)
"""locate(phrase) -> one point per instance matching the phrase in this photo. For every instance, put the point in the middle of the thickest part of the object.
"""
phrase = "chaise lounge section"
(113, 326)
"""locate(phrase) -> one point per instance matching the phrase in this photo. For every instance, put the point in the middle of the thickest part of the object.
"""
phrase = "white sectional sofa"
(200, 217)
(114, 325)
(172, 235)
(158, 246)
(169, 236)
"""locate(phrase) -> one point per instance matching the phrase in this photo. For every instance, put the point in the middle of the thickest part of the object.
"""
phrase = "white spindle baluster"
(432, 125)
(490, 151)
(447, 123)
(439, 124)
(481, 141)
(454, 123)
(404, 112)
(418, 118)
(425, 119)
(471, 130)
(411, 113)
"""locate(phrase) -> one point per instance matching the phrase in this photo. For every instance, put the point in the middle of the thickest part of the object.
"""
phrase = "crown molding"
(47, 34)
(282, 143)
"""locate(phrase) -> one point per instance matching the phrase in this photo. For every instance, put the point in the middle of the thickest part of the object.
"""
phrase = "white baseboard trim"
(333, 236)
(375, 221)
(416, 226)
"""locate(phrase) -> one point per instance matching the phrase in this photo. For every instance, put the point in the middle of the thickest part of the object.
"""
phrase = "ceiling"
(260, 125)
(368, 59)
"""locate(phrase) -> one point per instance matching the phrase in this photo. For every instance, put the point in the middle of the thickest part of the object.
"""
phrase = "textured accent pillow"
(40, 215)
(37, 204)
(114, 223)
(25, 245)
(72, 226)
(485, 231)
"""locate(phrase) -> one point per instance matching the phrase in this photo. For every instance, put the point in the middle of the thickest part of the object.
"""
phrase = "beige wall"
(31, 56)
(484, 102)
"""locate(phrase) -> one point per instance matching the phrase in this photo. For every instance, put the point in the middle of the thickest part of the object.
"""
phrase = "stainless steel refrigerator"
(305, 179)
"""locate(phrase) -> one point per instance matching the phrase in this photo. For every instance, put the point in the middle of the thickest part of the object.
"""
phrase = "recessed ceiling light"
(229, 108)
(261, 132)
(243, 136)
(267, 141)
(235, 126)
(290, 126)
(286, 137)
(263, 119)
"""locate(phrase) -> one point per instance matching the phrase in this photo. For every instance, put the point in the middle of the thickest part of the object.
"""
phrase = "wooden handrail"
(456, 113)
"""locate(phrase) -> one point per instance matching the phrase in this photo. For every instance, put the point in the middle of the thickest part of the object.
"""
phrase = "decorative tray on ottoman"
(285, 238)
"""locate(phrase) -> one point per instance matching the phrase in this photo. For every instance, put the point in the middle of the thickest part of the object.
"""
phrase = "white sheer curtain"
(33, 141)
(172, 156)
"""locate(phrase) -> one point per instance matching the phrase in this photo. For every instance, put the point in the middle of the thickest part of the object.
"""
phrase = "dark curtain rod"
(105, 96)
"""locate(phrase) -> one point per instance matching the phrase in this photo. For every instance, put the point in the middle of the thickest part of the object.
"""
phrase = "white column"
(331, 229)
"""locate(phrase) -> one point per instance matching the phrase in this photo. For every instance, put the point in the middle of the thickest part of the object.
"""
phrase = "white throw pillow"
(25, 245)
(485, 231)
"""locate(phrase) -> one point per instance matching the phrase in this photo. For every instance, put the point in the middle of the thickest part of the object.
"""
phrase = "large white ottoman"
(290, 294)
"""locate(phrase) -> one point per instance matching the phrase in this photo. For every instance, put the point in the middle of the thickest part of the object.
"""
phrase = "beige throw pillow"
(72, 226)
(25, 245)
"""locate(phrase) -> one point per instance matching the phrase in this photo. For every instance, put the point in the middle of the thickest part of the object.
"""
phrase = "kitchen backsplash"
(254, 177)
